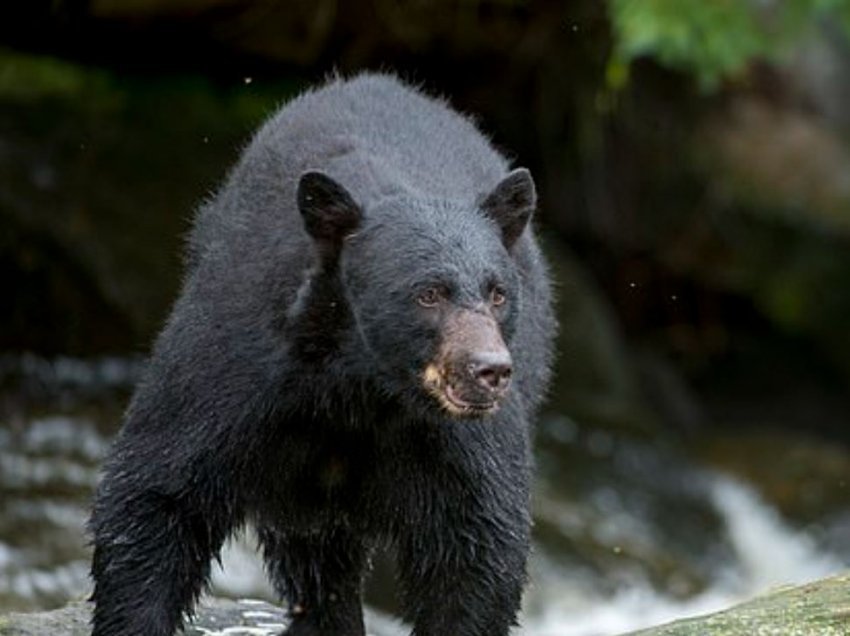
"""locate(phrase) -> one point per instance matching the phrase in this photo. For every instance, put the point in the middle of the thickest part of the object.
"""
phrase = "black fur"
(286, 387)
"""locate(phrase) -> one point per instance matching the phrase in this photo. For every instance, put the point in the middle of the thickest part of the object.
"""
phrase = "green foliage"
(23, 76)
(713, 39)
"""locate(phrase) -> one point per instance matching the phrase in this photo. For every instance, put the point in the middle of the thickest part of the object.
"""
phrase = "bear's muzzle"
(471, 373)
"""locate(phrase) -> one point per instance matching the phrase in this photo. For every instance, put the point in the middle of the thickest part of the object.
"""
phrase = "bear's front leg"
(321, 576)
(152, 553)
(466, 576)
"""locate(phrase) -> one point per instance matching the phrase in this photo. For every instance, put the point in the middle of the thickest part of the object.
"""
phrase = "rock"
(781, 218)
(821, 608)
(752, 164)
(256, 617)
(215, 617)
(71, 620)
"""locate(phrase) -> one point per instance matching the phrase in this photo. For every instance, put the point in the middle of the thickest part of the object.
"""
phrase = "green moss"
(821, 608)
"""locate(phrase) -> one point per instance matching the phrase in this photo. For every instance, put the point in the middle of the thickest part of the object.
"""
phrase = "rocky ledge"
(215, 617)
(821, 608)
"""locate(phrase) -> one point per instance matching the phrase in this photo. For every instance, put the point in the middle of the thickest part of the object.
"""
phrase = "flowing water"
(767, 553)
(60, 416)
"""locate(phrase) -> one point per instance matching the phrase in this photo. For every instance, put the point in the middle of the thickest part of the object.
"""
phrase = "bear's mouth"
(468, 406)
(451, 396)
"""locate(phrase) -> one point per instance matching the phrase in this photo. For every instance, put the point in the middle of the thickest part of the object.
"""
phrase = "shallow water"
(57, 427)
(47, 471)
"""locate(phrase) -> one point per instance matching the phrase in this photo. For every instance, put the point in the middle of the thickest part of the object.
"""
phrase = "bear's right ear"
(329, 212)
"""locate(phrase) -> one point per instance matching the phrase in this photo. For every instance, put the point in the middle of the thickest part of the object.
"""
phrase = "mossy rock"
(817, 609)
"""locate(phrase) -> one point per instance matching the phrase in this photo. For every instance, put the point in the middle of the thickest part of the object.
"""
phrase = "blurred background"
(693, 160)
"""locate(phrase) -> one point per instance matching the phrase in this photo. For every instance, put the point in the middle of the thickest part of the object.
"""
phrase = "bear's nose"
(492, 370)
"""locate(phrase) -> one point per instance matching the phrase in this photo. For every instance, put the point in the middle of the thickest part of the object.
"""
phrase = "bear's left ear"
(511, 204)
(329, 212)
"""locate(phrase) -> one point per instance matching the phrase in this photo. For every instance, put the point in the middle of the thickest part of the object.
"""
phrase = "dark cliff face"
(100, 177)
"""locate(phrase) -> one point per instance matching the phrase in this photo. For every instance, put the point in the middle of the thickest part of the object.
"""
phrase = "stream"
(628, 534)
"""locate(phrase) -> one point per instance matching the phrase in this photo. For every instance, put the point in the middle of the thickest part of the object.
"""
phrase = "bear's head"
(432, 287)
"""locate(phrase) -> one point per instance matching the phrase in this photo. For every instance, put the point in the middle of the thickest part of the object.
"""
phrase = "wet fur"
(286, 387)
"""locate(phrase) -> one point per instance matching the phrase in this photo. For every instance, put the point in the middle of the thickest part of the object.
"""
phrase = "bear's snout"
(472, 372)
(477, 380)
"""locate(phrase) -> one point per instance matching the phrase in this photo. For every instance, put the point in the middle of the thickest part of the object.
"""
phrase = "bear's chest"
(335, 472)
(319, 470)
(325, 472)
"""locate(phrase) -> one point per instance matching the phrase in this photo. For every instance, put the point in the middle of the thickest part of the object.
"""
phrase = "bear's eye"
(430, 296)
(498, 296)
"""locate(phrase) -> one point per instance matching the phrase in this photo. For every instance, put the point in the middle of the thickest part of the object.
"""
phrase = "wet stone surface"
(816, 609)
(215, 617)
(238, 618)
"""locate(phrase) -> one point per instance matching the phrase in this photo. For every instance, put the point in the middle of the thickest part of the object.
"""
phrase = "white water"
(768, 553)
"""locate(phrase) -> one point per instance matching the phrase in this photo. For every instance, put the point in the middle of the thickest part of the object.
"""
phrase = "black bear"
(362, 337)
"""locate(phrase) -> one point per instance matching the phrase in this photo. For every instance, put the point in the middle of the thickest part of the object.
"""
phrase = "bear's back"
(375, 123)
(372, 133)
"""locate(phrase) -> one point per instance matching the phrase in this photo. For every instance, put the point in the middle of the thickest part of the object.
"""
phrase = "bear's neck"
(319, 320)
(325, 346)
